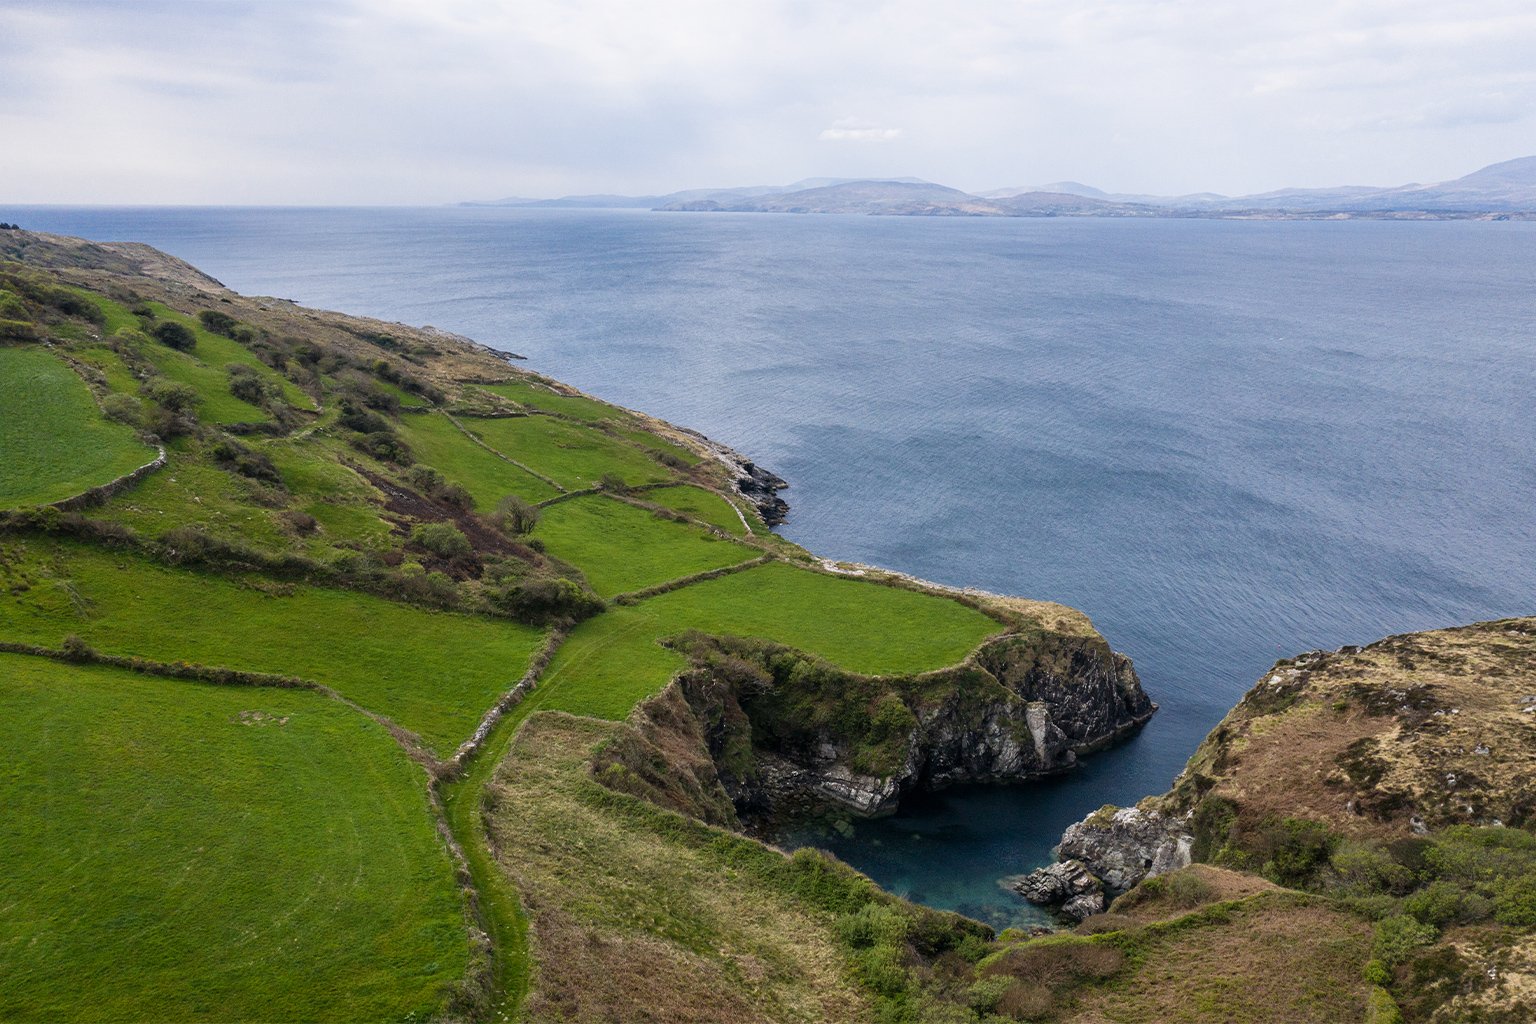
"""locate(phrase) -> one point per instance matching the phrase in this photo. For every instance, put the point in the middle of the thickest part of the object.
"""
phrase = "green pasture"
(182, 852)
(54, 442)
(574, 456)
(611, 662)
(218, 352)
(623, 548)
(703, 505)
(436, 442)
(537, 397)
(435, 673)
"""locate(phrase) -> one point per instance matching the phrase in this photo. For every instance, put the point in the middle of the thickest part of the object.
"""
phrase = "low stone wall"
(98, 495)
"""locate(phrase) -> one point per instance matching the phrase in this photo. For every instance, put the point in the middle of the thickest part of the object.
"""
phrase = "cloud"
(853, 130)
(396, 101)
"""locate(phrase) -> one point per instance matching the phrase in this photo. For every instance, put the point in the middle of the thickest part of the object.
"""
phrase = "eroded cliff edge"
(783, 730)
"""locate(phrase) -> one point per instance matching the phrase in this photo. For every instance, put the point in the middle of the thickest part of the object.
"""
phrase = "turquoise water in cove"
(1227, 442)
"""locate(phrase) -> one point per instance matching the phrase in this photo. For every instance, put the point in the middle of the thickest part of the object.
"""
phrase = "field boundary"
(99, 494)
(501, 455)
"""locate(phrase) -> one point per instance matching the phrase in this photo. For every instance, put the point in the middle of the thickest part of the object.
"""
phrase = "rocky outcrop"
(786, 728)
(762, 488)
(1069, 885)
(1123, 845)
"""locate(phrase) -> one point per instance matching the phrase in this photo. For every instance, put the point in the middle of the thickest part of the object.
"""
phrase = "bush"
(123, 409)
(1441, 903)
(19, 330)
(1296, 849)
(383, 445)
(612, 482)
(516, 516)
(218, 323)
(1368, 867)
(542, 598)
(169, 395)
(1398, 936)
(175, 335)
(248, 386)
(234, 456)
(441, 539)
(1514, 901)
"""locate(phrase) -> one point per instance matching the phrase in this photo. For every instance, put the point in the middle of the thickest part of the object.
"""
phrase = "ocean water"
(1228, 442)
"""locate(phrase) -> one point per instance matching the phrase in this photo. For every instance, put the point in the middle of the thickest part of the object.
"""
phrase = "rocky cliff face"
(783, 728)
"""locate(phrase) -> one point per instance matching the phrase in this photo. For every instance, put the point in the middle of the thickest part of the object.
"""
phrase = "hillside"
(353, 672)
(1392, 783)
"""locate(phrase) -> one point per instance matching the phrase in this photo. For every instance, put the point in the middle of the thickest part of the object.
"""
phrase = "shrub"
(77, 650)
(515, 515)
(1368, 866)
(1380, 1009)
(12, 307)
(19, 330)
(1398, 936)
(441, 539)
(612, 482)
(1296, 848)
(175, 335)
(217, 322)
(299, 522)
(383, 445)
(355, 417)
(248, 386)
(169, 395)
(1441, 903)
(1514, 901)
(542, 598)
(234, 456)
(123, 409)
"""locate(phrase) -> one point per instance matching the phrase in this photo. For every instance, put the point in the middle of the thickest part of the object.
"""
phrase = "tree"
(176, 335)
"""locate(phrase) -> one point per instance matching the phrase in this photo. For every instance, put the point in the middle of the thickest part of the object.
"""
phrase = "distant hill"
(1501, 190)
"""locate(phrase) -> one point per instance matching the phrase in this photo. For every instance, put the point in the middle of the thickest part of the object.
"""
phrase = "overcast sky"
(389, 101)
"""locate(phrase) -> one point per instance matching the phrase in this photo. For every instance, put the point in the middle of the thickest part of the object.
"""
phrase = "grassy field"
(574, 456)
(211, 383)
(435, 441)
(623, 548)
(178, 852)
(536, 397)
(54, 442)
(435, 673)
(705, 506)
(613, 661)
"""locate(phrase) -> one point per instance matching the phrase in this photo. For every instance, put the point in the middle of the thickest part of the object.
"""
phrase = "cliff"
(1397, 780)
(784, 729)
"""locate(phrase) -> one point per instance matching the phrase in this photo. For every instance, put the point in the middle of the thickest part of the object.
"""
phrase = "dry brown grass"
(1269, 960)
(638, 923)
(1431, 724)
(1172, 895)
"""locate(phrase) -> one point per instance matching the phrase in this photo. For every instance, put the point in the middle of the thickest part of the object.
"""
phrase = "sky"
(397, 102)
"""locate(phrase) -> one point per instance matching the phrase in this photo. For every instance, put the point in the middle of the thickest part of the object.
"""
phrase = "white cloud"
(851, 129)
(404, 101)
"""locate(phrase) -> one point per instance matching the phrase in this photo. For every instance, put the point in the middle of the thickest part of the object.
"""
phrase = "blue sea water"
(1228, 442)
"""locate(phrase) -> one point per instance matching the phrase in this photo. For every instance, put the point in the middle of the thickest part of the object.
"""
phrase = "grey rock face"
(1128, 845)
(1068, 885)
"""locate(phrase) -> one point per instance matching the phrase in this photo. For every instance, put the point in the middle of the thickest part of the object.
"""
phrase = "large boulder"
(1124, 845)
(1068, 885)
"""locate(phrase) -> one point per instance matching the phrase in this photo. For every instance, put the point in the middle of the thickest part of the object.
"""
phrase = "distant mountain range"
(1500, 191)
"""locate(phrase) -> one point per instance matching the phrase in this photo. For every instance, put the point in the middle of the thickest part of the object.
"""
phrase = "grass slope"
(574, 456)
(435, 441)
(435, 673)
(705, 506)
(537, 397)
(54, 442)
(613, 661)
(623, 548)
(178, 852)
(642, 915)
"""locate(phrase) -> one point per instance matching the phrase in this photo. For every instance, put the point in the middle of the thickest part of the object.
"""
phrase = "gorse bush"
(216, 322)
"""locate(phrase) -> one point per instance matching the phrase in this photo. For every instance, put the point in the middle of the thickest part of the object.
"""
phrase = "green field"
(613, 661)
(178, 852)
(435, 673)
(622, 548)
(705, 506)
(54, 442)
(573, 456)
(536, 397)
(211, 383)
(436, 442)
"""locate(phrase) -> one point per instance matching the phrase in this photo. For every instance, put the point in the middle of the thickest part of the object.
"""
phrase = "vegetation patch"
(698, 503)
(622, 548)
(574, 456)
(539, 396)
(438, 443)
(613, 661)
(434, 673)
(180, 852)
(54, 442)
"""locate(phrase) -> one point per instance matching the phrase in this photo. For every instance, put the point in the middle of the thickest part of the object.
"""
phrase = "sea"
(1227, 441)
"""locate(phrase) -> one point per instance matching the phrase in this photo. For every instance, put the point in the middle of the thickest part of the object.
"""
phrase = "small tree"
(516, 516)
(217, 322)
